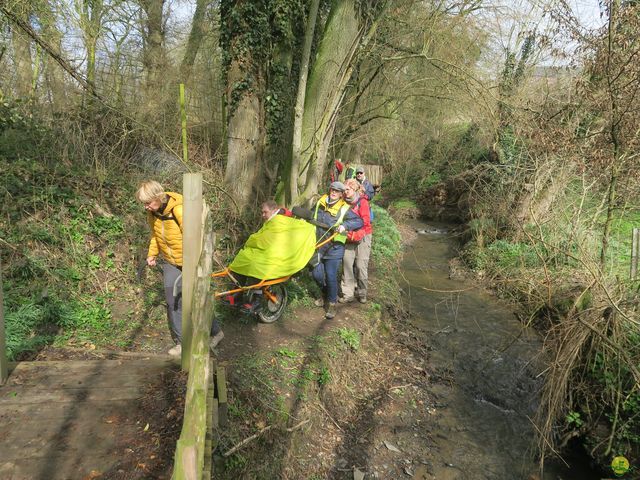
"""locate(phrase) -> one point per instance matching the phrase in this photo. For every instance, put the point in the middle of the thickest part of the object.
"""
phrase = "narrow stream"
(486, 366)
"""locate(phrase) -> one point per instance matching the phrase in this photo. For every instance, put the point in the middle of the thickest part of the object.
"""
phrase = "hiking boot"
(215, 340)
(319, 302)
(346, 299)
(176, 351)
(362, 299)
(331, 311)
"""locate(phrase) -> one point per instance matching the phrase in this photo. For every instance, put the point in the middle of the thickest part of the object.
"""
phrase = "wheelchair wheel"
(272, 311)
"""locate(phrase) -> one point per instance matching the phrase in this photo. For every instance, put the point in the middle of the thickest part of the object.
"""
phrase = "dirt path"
(370, 417)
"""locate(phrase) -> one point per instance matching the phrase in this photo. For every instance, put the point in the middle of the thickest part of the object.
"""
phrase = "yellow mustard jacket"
(166, 232)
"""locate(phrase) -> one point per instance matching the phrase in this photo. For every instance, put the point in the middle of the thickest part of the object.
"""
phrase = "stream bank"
(494, 366)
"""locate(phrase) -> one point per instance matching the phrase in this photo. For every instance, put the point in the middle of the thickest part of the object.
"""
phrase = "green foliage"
(324, 375)
(31, 324)
(21, 134)
(22, 329)
(236, 461)
(302, 289)
(505, 254)
(403, 204)
(573, 419)
(350, 337)
(62, 242)
(285, 352)
(387, 245)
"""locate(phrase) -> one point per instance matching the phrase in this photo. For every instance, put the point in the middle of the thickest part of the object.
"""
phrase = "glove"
(341, 229)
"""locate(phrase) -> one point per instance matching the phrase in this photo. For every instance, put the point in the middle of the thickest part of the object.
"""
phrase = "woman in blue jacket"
(333, 211)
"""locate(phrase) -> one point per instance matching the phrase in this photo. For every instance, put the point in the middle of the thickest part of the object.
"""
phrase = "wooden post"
(191, 246)
(635, 252)
(194, 447)
(183, 117)
(3, 346)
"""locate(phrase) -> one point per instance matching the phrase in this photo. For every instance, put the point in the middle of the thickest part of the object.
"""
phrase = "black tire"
(269, 311)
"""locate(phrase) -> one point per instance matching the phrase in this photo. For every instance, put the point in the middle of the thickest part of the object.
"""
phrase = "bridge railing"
(205, 385)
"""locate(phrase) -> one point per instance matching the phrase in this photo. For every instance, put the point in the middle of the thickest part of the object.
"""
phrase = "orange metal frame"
(263, 284)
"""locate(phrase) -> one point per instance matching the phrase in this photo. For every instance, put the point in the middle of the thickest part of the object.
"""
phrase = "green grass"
(69, 241)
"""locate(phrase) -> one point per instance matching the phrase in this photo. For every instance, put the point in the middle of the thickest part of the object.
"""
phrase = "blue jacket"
(351, 221)
(369, 191)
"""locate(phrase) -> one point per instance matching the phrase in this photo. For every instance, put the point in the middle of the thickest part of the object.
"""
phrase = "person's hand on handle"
(151, 261)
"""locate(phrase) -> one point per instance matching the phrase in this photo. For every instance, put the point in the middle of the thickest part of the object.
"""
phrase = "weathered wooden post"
(635, 250)
(191, 247)
(3, 346)
(193, 450)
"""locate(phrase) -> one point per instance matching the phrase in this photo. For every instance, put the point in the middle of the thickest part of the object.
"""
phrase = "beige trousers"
(355, 267)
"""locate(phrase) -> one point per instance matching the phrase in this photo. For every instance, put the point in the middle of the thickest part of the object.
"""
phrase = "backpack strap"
(169, 216)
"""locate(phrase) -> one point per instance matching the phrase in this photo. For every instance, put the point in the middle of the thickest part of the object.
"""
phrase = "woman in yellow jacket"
(164, 214)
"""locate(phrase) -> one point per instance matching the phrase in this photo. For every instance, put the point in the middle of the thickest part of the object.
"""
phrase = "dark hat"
(359, 170)
(339, 186)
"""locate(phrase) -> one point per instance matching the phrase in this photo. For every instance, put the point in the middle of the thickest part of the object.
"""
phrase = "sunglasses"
(359, 173)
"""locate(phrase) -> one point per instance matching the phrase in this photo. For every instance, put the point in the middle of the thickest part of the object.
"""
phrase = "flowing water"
(487, 368)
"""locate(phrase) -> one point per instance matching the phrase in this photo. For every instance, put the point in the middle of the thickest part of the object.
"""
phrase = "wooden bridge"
(71, 420)
(75, 419)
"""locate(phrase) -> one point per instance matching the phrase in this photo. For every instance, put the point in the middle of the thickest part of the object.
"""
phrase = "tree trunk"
(296, 141)
(277, 154)
(194, 41)
(23, 63)
(154, 57)
(245, 138)
(342, 38)
(52, 72)
(611, 197)
(90, 12)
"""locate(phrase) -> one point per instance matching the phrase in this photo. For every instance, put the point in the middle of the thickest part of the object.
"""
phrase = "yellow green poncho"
(282, 247)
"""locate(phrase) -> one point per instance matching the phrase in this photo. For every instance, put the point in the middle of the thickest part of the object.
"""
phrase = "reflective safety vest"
(339, 209)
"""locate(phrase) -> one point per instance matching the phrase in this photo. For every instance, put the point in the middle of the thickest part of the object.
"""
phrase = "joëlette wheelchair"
(266, 299)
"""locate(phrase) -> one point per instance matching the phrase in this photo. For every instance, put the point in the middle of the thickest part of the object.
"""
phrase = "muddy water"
(486, 372)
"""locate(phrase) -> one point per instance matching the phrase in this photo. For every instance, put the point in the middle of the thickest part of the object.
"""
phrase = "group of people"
(347, 211)
(345, 232)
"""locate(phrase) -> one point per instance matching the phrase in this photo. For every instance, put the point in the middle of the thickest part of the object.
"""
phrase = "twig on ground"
(297, 425)
(401, 386)
(15, 249)
(238, 446)
(330, 417)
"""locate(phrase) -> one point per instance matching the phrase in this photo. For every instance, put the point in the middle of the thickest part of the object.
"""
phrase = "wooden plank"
(208, 442)
(75, 422)
(28, 396)
(4, 371)
(100, 365)
(215, 422)
(107, 380)
(191, 247)
(221, 387)
(60, 467)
